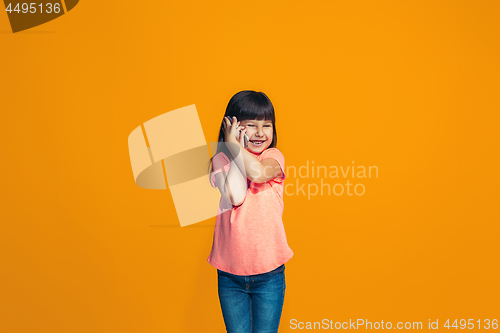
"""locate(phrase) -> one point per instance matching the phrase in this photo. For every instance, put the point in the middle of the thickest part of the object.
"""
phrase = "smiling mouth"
(257, 143)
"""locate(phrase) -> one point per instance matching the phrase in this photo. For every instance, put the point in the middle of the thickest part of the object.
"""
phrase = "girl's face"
(260, 134)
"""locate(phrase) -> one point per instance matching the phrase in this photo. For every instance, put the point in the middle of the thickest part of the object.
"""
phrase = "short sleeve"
(275, 154)
(219, 162)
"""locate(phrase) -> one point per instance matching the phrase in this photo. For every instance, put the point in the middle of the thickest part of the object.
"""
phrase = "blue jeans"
(252, 303)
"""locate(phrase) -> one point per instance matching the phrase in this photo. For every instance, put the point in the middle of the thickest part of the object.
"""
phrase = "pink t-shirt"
(250, 239)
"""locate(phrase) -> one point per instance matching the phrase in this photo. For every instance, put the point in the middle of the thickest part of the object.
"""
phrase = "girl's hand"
(232, 130)
(241, 140)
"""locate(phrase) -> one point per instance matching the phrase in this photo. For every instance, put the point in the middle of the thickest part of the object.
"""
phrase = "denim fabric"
(252, 303)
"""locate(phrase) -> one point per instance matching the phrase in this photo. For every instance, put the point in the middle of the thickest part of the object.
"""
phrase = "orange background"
(411, 87)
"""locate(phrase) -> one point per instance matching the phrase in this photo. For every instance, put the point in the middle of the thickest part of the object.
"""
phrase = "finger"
(242, 137)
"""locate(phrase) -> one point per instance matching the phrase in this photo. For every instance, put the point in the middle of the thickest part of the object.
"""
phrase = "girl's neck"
(255, 154)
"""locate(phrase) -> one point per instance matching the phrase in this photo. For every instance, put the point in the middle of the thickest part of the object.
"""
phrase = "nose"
(260, 132)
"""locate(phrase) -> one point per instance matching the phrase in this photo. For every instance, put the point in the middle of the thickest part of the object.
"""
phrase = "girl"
(249, 248)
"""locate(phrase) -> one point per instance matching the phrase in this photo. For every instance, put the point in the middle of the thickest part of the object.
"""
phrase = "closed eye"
(249, 125)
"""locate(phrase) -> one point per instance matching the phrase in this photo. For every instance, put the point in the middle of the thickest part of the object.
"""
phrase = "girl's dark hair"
(246, 105)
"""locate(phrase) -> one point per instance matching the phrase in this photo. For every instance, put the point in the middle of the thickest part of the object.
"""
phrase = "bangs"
(255, 107)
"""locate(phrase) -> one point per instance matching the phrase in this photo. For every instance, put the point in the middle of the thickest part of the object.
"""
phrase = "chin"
(258, 149)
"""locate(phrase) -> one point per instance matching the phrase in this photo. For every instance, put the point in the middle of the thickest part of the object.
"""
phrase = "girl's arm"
(257, 171)
(233, 185)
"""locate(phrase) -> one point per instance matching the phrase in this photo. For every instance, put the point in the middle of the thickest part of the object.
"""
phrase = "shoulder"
(220, 160)
(273, 153)
(220, 157)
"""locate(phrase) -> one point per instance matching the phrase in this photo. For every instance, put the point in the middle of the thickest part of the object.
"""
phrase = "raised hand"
(232, 130)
